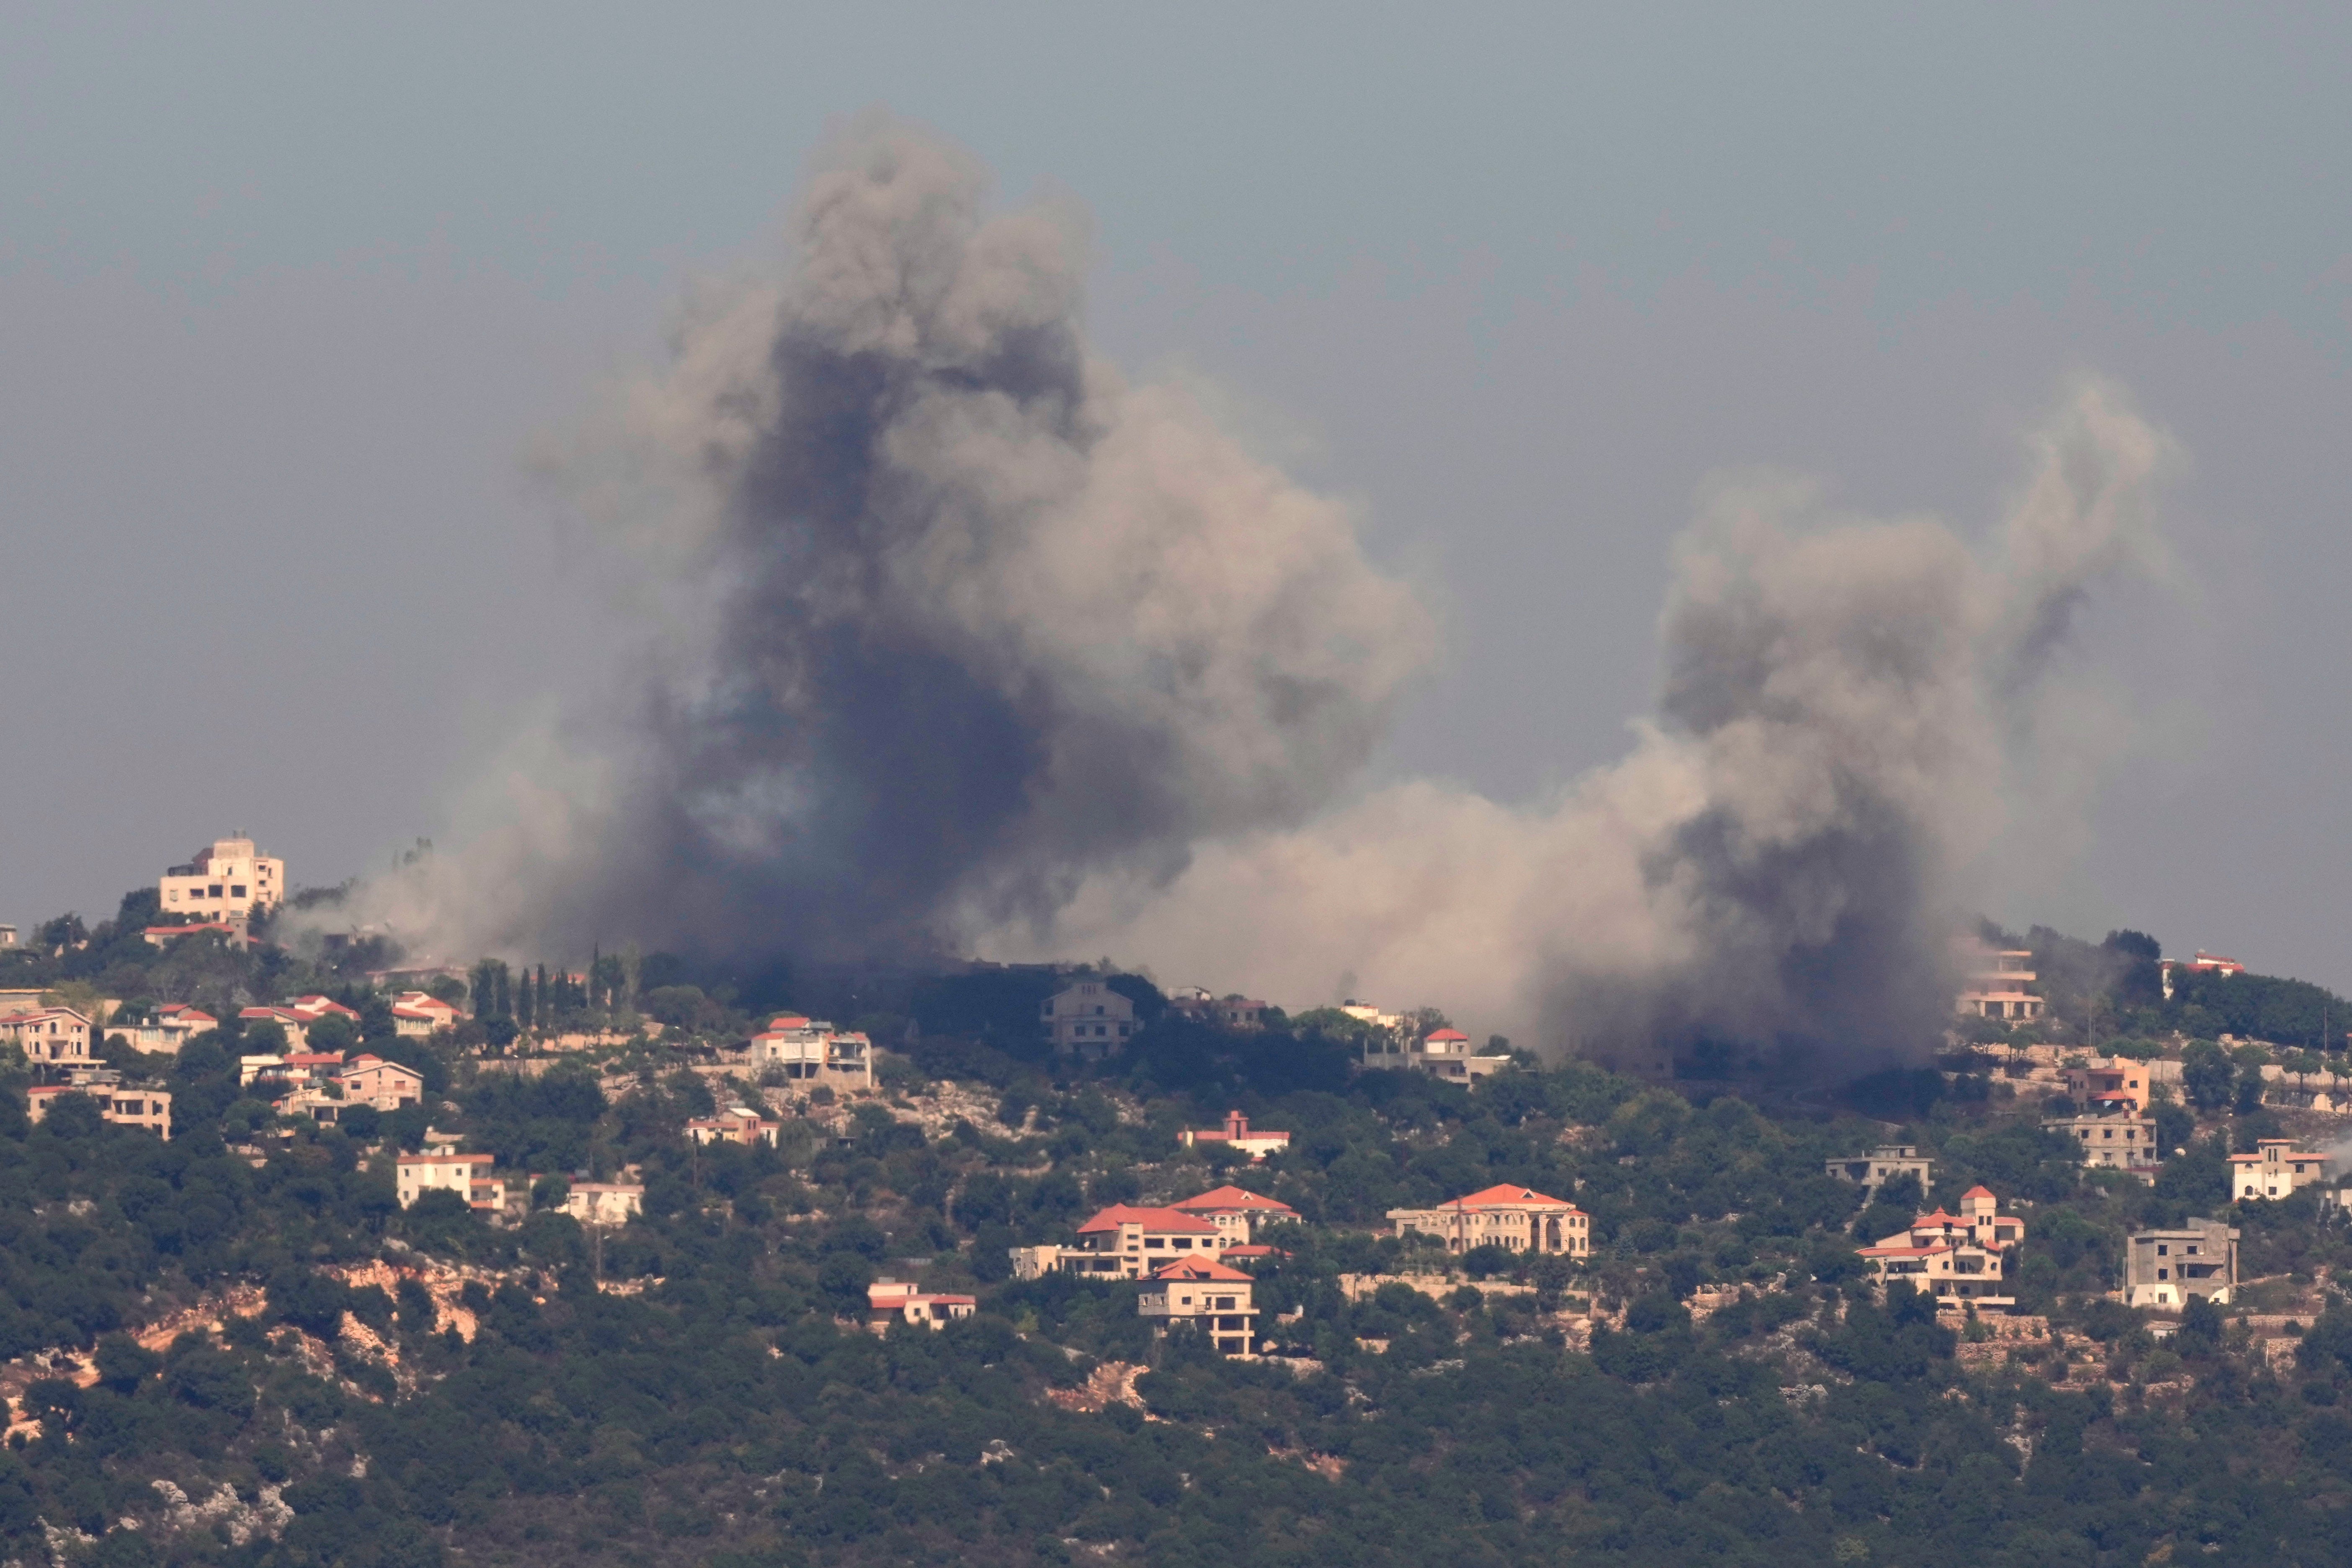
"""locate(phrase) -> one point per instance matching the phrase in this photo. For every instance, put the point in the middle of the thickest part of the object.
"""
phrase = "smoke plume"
(1852, 714)
(948, 615)
(955, 638)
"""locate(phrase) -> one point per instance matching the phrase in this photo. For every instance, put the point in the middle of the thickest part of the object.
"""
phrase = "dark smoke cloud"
(1855, 717)
(951, 615)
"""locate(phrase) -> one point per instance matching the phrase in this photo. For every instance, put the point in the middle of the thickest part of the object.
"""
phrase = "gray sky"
(285, 296)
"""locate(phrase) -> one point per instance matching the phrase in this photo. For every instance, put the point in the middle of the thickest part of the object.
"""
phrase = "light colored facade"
(468, 1175)
(2203, 963)
(1237, 1135)
(1208, 1294)
(295, 1069)
(388, 1086)
(235, 932)
(2113, 1084)
(2120, 1143)
(811, 1048)
(2165, 1268)
(890, 1300)
(1885, 1163)
(1089, 1017)
(2276, 1169)
(1999, 985)
(734, 1125)
(417, 1013)
(1960, 1259)
(47, 1035)
(149, 1109)
(230, 878)
(1124, 1243)
(1236, 1213)
(1443, 1054)
(604, 1203)
(296, 1016)
(1517, 1218)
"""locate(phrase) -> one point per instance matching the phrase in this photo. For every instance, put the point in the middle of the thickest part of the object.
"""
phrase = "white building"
(1885, 1163)
(1239, 1136)
(1442, 1054)
(417, 1014)
(889, 1301)
(604, 1203)
(1998, 984)
(2276, 1169)
(231, 877)
(1089, 1017)
(468, 1175)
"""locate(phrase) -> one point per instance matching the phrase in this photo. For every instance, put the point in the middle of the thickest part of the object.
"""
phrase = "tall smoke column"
(945, 614)
(1851, 713)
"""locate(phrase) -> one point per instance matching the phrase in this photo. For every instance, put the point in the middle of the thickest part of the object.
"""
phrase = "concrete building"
(604, 1203)
(1885, 1163)
(891, 1301)
(468, 1175)
(1237, 1135)
(235, 932)
(2112, 1141)
(1211, 1296)
(297, 1017)
(1962, 1258)
(2276, 1169)
(1443, 1054)
(1088, 1019)
(736, 1124)
(48, 1037)
(812, 1049)
(1519, 1218)
(2109, 1085)
(230, 878)
(1999, 985)
(149, 1109)
(1123, 1242)
(2164, 1269)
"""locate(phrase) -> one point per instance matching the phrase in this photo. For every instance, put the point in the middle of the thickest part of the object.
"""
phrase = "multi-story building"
(1517, 1218)
(1960, 1259)
(296, 1017)
(1237, 1135)
(468, 1175)
(2114, 1140)
(2165, 1268)
(811, 1048)
(1236, 1213)
(891, 1301)
(1123, 1242)
(230, 878)
(1999, 986)
(2203, 963)
(2112, 1085)
(1208, 1294)
(2276, 1169)
(173, 1025)
(47, 1035)
(295, 1069)
(144, 1107)
(1882, 1165)
(368, 1080)
(1442, 1054)
(1089, 1017)
(736, 1124)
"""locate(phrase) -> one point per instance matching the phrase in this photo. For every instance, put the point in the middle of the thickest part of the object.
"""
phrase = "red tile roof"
(1980, 1192)
(1508, 1196)
(1448, 1034)
(1199, 1269)
(1225, 1199)
(1170, 1220)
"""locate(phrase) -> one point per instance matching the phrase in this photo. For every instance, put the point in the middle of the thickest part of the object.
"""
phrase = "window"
(237, 889)
(214, 891)
(2164, 1274)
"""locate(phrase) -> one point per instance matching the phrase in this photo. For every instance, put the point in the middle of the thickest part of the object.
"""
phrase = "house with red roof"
(1238, 1135)
(47, 1035)
(812, 1048)
(892, 1301)
(417, 1013)
(1211, 1296)
(1443, 1054)
(1236, 1213)
(1963, 1259)
(1517, 1218)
